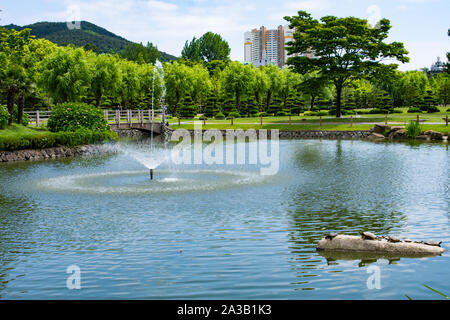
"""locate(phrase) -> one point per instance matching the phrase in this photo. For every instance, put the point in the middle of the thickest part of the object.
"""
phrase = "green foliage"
(76, 116)
(188, 109)
(141, 54)
(414, 110)
(208, 48)
(25, 117)
(219, 116)
(4, 117)
(65, 74)
(49, 140)
(345, 49)
(88, 36)
(281, 114)
(233, 115)
(413, 129)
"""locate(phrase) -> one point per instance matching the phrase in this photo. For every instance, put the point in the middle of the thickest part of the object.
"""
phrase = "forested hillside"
(89, 34)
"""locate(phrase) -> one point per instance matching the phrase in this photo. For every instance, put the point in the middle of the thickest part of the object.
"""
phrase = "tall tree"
(191, 50)
(213, 47)
(13, 76)
(207, 48)
(344, 49)
(105, 78)
(139, 53)
(65, 74)
(236, 79)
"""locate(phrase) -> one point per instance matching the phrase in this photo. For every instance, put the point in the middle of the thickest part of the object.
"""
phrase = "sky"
(420, 24)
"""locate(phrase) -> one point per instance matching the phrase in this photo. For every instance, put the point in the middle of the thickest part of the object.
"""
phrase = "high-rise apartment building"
(263, 46)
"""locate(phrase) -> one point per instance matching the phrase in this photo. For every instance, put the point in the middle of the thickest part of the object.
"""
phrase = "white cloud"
(311, 5)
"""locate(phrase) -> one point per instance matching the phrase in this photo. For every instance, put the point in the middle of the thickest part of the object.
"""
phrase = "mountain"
(104, 40)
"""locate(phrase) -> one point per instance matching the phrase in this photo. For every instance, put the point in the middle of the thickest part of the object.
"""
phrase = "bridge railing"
(40, 118)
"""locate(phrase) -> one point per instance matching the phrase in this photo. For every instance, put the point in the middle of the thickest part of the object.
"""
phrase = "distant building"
(437, 67)
(263, 46)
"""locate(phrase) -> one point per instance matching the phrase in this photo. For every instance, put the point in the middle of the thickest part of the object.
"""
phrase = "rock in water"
(357, 244)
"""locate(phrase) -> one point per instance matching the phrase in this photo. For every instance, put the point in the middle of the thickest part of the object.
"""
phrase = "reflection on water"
(202, 232)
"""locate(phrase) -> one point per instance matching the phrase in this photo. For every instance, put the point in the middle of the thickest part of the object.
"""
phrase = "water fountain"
(151, 158)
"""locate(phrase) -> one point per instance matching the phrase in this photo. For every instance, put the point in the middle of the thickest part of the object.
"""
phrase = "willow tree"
(65, 74)
(343, 49)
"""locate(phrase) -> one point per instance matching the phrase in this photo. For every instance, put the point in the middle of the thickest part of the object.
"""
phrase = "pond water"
(224, 232)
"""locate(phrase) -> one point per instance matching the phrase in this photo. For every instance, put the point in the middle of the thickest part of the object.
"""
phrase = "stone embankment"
(381, 132)
(53, 153)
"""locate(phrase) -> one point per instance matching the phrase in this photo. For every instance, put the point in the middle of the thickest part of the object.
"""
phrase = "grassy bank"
(18, 137)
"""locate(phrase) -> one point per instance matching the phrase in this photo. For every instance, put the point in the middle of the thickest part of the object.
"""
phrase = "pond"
(224, 232)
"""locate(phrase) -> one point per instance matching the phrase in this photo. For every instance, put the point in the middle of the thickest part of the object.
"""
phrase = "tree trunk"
(338, 99)
(10, 101)
(269, 94)
(20, 106)
(313, 98)
(98, 98)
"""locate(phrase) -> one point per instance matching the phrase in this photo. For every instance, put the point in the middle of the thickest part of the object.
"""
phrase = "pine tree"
(299, 105)
(211, 107)
(429, 102)
(275, 106)
(187, 109)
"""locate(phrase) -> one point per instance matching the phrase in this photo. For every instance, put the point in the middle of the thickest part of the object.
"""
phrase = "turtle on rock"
(393, 239)
(368, 235)
(433, 243)
(331, 235)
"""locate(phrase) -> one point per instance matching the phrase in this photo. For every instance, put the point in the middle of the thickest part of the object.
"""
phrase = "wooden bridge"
(117, 119)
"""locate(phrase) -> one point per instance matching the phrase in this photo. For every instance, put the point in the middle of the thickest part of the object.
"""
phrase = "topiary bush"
(233, 115)
(220, 116)
(282, 113)
(433, 109)
(265, 114)
(414, 110)
(4, 117)
(75, 116)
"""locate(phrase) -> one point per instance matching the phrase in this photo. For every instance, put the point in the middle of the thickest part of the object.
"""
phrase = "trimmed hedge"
(55, 139)
(220, 116)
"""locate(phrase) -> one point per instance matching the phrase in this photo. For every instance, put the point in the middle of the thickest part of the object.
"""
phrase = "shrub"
(414, 110)
(281, 114)
(54, 139)
(448, 110)
(413, 129)
(265, 114)
(203, 117)
(397, 111)
(220, 116)
(25, 117)
(433, 109)
(363, 111)
(4, 117)
(376, 111)
(74, 116)
(233, 114)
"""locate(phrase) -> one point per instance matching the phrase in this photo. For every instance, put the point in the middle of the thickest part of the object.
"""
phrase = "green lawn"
(19, 130)
(361, 122)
